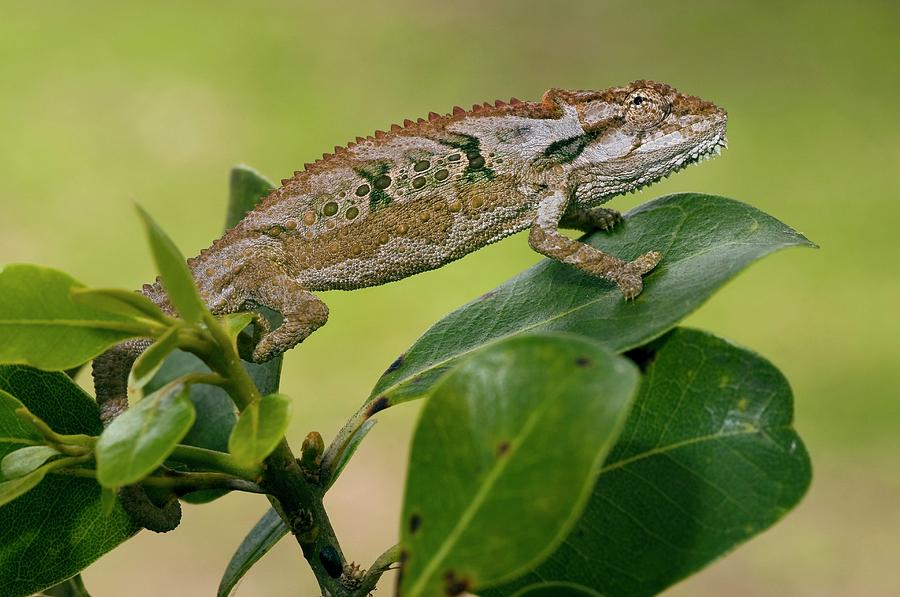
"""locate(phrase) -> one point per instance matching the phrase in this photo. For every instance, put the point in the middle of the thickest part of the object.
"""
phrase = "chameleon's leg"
(546, 239)
(588, 220)
(302, 312)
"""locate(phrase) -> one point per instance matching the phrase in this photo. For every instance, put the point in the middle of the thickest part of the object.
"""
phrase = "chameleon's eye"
(645, 108)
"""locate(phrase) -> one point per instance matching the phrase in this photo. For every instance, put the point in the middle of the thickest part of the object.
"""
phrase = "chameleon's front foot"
(628, 276)
(295, 328)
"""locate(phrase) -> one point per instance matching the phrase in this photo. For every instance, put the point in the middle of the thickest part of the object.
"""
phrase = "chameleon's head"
(637, 134)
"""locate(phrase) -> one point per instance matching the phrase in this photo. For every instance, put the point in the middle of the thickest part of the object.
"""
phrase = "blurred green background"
(103, 103)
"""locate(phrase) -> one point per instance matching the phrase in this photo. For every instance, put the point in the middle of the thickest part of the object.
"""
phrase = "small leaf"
(10, 490)
(141, 438)
(42, 326)
(122, 302)
(25, 460)
(173, 269)
(265, 534)
(350, 450)
(146, 365)
(506, 452)
(705, 241)
(236, 322)
(260, 428)
(707, 460)
(246, 187)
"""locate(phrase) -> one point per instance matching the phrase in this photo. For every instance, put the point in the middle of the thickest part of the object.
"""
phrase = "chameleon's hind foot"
(628, 278)
(589, 220)
(604, 218)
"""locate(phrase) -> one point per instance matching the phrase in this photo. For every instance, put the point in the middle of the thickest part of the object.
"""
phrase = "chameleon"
(428, 192)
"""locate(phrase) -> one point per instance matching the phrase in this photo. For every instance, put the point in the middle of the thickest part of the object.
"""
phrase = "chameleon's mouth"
(700, 154)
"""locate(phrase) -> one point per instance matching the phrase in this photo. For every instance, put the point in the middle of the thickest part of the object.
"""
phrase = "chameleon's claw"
(629, 280)
(607, 219)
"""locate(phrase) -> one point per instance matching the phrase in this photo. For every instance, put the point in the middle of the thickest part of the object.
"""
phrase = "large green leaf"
(504, 457)
(44, 540)
(141, 438)
(705, 240)
(259, 429)
(707, 459)
(42, 326)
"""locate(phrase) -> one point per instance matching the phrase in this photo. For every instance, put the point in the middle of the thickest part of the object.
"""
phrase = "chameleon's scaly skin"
(428, 192)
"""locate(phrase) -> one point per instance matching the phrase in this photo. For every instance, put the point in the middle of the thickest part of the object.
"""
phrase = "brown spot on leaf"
(396, 364)
(502, 448)
(378, 405)
(454, 585)
(415, 521)
(583, 362)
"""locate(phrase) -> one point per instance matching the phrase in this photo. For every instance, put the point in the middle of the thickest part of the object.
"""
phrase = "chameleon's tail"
(110, 371)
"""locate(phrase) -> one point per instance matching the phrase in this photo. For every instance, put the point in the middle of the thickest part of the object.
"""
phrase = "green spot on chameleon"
(377, 175)
(453, 157)
(352, 213)
(330, 208)
(418, 182)
(421, 165)
(362, 190)
(441, 174)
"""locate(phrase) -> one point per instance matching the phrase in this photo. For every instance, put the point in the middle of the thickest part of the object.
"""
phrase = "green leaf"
(707, 460)
(265, 534)
(705, 240)
(57, 528)
(235, 323)
(42, 326)
(173, 269)
(259, 429)
(141, 438)
(504, 457)
(25, 460)
(17, 487)
(247, 187)
(122, 302)
(146, 365)
(350, 450)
